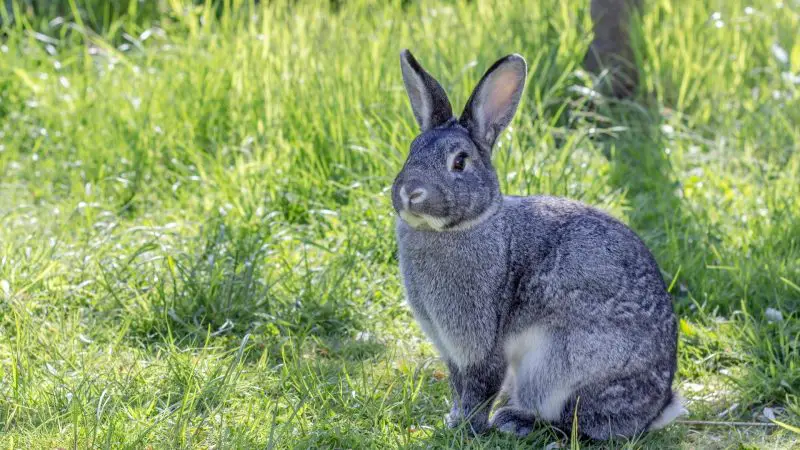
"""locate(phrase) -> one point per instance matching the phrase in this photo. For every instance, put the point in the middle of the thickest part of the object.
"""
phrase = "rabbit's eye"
(459, 162)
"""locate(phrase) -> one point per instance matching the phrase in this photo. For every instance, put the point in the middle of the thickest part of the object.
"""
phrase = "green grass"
(196, 236)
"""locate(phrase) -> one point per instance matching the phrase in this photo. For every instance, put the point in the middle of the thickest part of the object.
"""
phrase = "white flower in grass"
(773, 315)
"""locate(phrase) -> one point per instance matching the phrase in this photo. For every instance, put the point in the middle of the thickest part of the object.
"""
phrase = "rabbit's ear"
(494, 101)
(428, 99)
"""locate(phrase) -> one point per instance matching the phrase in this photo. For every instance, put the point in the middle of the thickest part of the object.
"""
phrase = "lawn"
(196, 234)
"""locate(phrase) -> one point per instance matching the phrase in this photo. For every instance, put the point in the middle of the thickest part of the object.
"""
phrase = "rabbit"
(557, 303)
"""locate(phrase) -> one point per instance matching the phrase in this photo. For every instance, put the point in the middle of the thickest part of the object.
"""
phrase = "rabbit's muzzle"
(413, 194)
(419, 204)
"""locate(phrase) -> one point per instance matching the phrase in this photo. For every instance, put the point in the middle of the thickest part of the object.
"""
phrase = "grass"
(196, 236)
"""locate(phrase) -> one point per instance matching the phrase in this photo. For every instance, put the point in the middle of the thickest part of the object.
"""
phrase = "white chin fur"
(426, 222)
(423, 221)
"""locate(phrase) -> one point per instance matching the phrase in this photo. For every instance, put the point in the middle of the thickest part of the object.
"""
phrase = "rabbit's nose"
(417, 194)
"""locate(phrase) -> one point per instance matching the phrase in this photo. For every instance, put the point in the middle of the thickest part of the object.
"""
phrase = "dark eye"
(459, 162)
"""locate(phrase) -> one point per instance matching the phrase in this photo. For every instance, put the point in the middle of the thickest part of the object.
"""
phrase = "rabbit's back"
(589, 318)
(578, 269)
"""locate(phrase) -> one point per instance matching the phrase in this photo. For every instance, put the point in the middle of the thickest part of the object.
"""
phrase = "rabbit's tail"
(672, 411)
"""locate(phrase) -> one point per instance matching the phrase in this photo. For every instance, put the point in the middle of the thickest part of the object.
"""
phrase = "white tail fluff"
(671, 412)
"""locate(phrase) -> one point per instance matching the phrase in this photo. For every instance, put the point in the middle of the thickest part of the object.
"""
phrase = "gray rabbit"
(556, 303)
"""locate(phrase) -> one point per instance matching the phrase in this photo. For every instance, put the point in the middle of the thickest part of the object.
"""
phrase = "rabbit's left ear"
(494, 101)
(428, 99)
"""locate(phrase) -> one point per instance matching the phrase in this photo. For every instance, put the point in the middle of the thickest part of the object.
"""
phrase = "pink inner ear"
(499, 92)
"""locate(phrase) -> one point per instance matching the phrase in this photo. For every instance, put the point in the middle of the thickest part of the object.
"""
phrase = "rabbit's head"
(448, 181)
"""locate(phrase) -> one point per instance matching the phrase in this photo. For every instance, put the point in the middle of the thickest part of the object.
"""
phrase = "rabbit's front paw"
(454, 417)
(513, 420)
(478, 421)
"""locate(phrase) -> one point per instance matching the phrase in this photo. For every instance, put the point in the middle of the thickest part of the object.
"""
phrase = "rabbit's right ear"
(494, 101)
(428, 99)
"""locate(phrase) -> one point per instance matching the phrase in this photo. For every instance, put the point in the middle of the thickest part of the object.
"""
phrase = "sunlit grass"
(196, 238)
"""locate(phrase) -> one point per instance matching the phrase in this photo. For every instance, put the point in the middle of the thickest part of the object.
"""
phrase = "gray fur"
(555, 302)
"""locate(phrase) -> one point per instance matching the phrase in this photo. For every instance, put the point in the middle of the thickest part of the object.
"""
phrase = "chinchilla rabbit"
(554, 301)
